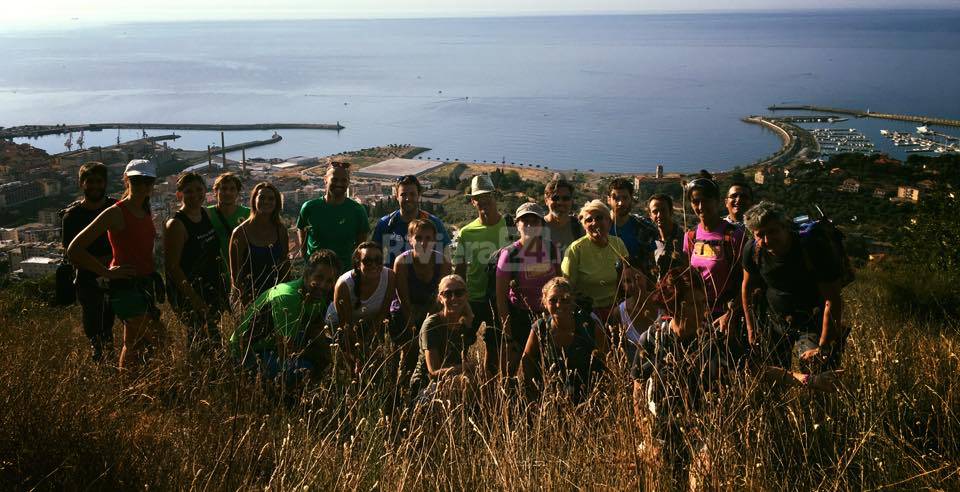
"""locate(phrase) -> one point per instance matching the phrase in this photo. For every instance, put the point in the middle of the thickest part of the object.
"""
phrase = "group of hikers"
(553, 293)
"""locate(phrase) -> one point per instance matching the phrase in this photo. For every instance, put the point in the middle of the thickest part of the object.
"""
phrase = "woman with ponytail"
(131, 273)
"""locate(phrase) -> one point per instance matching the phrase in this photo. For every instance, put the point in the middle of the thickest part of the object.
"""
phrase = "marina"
(924, 141)
(842, 141)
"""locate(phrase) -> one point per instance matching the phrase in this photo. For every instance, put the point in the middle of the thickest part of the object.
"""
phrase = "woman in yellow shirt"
(590, 262)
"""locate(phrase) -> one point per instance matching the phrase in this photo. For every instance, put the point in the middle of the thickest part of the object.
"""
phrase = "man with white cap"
(131, 272)
(473, 247)
(523, 268)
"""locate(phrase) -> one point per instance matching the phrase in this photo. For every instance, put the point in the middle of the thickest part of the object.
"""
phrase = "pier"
(233, 148)
(925, 120)
(158, 138)
(41, 130)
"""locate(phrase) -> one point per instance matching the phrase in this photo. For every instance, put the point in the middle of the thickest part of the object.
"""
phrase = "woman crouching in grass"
(566, 347)
(281, 335)
(445, 338)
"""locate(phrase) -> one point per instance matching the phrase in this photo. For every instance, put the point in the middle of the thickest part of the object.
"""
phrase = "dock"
(925, 120)
(233, 148)
(41, 130)
(153, 139)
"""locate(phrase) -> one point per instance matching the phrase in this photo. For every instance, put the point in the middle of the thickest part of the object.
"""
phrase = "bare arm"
(239, 249)
(528, 361)
(343, 303)
(302, 236)
(503, 304)
(174, 237)
(387, 299)
(745, 299)
(110, 219)
(403, 291)
(284, 268)
(832, 312)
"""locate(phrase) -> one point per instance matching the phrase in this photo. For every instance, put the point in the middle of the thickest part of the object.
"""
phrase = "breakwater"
(926, 120)
(41, 130)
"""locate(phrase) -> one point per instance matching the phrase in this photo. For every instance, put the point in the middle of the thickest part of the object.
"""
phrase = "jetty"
(152, 139)
(925, 120)
(797, 142)
(233, 148)
(41, 130)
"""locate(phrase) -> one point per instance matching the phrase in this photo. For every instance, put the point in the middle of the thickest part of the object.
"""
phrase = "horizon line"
(83, 22)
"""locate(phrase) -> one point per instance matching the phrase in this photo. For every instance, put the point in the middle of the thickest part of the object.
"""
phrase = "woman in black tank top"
(192, 254)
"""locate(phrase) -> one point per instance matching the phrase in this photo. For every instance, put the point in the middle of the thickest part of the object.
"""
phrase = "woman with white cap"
(133, 282)
(590, 263)
(523, 268)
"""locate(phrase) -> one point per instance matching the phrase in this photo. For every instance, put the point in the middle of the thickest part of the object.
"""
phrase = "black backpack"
(825, 232)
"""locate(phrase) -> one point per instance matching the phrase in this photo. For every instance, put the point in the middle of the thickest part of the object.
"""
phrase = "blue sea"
(610, 93)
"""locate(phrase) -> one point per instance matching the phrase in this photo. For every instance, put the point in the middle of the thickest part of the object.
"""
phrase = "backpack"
(65, 292)
(822, 230)
(725, 244)
(553, 257)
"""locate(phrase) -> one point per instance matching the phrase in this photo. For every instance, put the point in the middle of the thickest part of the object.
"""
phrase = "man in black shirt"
(97, 314)
(803, 283)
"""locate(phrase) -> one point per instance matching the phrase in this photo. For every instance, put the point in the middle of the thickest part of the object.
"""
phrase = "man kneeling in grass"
(803, 278)
(281, 334)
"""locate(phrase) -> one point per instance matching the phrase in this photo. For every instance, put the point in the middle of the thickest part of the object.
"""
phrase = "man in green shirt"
(333, 221)
(475, 244)
(281, 332)
(227, 214)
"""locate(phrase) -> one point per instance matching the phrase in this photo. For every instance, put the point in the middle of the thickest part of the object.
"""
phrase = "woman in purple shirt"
(714, 248)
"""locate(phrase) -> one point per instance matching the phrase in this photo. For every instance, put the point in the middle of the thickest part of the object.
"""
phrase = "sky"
(28, 13)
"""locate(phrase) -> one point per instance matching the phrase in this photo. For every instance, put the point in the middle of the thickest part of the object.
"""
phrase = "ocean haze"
(614, 93)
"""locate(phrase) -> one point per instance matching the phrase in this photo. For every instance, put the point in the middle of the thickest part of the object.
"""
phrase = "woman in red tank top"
(130, 230)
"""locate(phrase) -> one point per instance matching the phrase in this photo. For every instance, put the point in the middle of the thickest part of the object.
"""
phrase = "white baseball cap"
(141, 167)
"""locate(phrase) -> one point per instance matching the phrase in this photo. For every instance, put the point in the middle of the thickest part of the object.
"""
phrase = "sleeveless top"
(574, 364)
(368, 307)
(134, 244)
(200, 259)
(261, 271)
(422, 294)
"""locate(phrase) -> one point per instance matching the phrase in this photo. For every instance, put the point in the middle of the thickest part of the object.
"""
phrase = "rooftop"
(396, 167)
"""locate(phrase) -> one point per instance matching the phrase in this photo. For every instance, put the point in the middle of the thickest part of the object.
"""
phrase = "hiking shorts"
(788, 342)
(133, 298)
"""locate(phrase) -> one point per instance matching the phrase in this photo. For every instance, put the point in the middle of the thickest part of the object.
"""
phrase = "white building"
(39, 266)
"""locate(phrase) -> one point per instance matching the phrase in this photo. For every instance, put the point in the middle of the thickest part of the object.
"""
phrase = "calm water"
(608, 93)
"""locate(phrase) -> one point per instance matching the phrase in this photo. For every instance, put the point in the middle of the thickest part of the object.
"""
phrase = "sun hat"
(141, 167)
(528, 209)
(481, 184)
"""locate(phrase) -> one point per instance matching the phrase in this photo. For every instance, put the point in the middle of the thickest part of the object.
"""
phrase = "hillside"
(66, 423)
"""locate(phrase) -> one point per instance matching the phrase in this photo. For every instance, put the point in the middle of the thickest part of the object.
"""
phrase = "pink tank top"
(134, 244)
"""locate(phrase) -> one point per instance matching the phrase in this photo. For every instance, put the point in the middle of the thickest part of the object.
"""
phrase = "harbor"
(924, 120)
(923, 141)
(842, 141)
(33, 131)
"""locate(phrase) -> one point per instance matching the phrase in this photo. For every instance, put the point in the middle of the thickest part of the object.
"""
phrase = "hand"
(825, 381)
(722, 323)
(809, 355)
(120, 272)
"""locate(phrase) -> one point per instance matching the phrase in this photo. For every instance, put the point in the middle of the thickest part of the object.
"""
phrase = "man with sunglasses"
(391, 230)
(563, 228)
(333, 221)
(474, 246)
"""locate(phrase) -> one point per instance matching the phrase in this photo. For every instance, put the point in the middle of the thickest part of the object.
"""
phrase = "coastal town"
(35, 185)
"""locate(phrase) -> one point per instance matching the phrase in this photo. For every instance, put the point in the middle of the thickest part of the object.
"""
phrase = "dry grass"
(67, 423)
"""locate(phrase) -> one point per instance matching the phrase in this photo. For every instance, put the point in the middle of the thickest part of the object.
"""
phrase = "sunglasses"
(561, 198)
(701, 183)
(340, 164)
(736, 195)
(137, 180)
(557, 300)
(451, 293)
(408, 179)
(371, 260)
